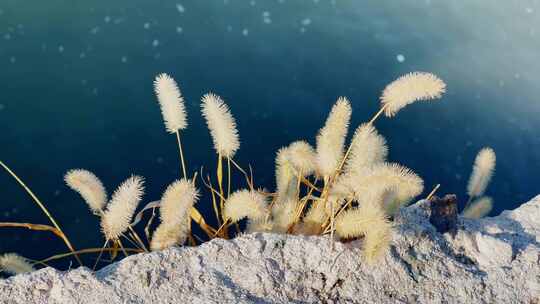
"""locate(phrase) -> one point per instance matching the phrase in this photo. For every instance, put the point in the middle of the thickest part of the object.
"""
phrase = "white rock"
(492, 260)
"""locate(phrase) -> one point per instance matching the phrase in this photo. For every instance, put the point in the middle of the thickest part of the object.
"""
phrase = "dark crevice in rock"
(408, 266)
(444, 213)
(236, 289)
(459, 256)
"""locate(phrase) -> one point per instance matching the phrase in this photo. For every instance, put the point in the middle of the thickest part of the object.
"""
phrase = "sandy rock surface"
(493, 260)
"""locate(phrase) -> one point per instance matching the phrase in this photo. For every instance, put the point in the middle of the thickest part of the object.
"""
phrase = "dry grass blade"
(214, 201)
(430, 195)
(149, 223)
(246, 176)
(87, 251)
(40, 204)
(198, 218)
(38, 227)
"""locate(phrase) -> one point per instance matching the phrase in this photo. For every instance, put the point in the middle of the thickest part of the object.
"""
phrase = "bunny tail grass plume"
(479, 208)
(13, 263)
(302, 157)
(342, 188)
(409, 88)
(117, 217)
(313, 221)
(177, 201)
(367, 148)
(167, 236)
(89, 187)
(284, 215)
(285, 176)
(259, 225)
(331, 137)
(385, 176)
(389, 199)
(221, 124)
(175, 208)
(245, 203)
(171, 103)
(369, 221)
(483, 168)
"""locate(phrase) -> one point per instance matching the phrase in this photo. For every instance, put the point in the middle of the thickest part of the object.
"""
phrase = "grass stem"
(137, 238)
(219, 174)
(100, 254)
(149, 224)
(85, 251)
(40, 204)
(228, 176)
(38, 227)
(221, 227)
(181, 153)
(378, 114)
(430, 195)
(214, 201)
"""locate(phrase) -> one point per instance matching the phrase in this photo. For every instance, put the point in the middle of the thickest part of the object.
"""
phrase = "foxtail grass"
(348, 190)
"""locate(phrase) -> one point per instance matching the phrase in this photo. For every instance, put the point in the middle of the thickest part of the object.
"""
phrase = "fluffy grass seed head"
(171, 103)
(313, 220)
(245, 203)
(302, 157)
(286, 177)
(368, 220)
(259, 225)
(389, 200)
(478, 208)
(117, 218)
(13, 263)
(483, 168)
(284, 214)
(331, 137)
(410, 88)
(367, 148)
(385, 176)
(340, 193)
(221, 124)
(88, 185)
(167, 235)
(177, 201)
(377, 241)
(175, 208)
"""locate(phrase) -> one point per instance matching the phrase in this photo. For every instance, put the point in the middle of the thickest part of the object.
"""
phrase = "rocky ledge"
(492, 260)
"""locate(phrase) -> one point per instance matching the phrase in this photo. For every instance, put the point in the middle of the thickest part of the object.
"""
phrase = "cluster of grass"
(345, 191)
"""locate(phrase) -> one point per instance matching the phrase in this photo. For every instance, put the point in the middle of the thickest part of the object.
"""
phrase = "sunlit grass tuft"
(341, 190)
(12, 263)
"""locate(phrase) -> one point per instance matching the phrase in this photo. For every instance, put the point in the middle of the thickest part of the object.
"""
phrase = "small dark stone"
(444, 213)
